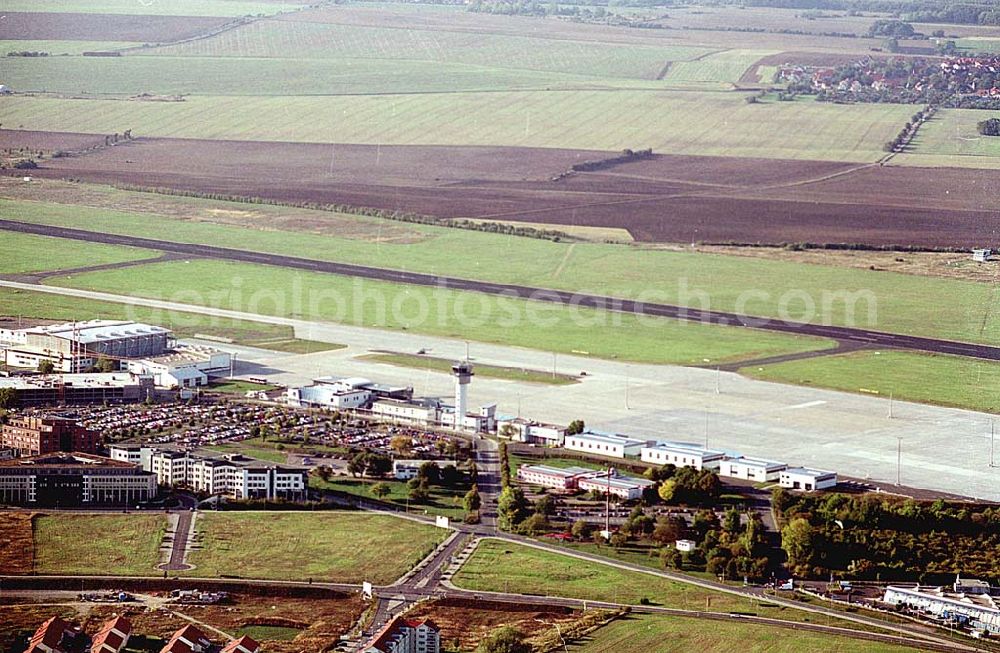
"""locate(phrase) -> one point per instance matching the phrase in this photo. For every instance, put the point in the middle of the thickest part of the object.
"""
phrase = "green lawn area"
(679, 122)
(120, 545)
(950, 138)
(172, 8)
(445, 502)
(870, 299)
(909, 376)
(423, 362)
(54, 48)
(642, 633)
(340, 547)
(715, 70)
(29, 253)
(502, 320)
(238, 387)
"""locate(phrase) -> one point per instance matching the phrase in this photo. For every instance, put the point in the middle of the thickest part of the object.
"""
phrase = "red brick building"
(35, 436)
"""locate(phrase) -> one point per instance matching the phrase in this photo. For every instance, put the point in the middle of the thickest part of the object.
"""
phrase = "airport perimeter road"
(865, 336)
(943, 449)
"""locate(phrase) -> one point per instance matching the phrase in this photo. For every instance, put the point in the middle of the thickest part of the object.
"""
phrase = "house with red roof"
(403, 635)
(53, 636)
(245, 644)
(187, 640)
(112, 637)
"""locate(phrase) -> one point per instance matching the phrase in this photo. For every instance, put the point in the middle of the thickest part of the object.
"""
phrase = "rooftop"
(982, 601)
(609, 438)
(63, 460)
(119, 379)
(94, 331)
(677, 447)
(806, 471)
(562, 472)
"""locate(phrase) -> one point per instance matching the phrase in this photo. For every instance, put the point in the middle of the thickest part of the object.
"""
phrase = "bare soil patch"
(16, 543)
(52, 26)
(17, 139)
(679, 199)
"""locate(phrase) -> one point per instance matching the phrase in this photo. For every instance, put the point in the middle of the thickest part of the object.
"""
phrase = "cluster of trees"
(989, 127)
(909, 130)
(686, 485)
(896, 29)
(961, 12)
(514, 512)
(888, 538)
(369, 464)
(27, 53)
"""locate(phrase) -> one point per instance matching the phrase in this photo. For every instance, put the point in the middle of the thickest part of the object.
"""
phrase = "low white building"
(752, 469)
(685, 546)
(531, 432)
(979, 612)
(802, 478)
(601, 444)
(338, 394)
(623, 487)
(407, 411)
(981, 255)
(186, 366)
(559, 478)
(405, 469)
(679, 455)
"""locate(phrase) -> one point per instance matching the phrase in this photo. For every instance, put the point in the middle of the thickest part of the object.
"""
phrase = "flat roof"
(980, 601)
(623, 482)
(805, 471)
(62, 460)
(94, 331)
(76, 380)
(562, 472)
(609, 438)
(680, 448)
(758, 462)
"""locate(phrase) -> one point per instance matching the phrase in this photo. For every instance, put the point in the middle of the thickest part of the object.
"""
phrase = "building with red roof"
(403, 635)
(188, 639)
(245, 644)
(53, 636)
(112, 637)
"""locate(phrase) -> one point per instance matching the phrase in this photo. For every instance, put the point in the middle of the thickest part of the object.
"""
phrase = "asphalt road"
(865, 336)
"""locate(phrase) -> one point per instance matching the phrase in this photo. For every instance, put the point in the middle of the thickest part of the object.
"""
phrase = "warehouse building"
(33, 435)
(680, 455)
(752, 469)
(185, 366)
(345, 393)
(978, 612)
(71, 480)
(559, 478)
(77, 347)
(603, 444)
(69, 389)
(802, 478)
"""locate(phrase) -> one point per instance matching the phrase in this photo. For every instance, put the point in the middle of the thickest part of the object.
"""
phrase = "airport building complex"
(36, 435)
(70, 480)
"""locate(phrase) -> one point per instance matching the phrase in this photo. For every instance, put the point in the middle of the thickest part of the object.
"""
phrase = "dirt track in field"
(678, 199)
(52, 26)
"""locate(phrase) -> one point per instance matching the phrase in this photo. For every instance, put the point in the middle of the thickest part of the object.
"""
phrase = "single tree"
(381, 490)
(46, 367)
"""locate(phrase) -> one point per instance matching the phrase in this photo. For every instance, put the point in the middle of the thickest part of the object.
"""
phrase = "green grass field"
(325, 546)
(950, 138)
(131, 75)
(317, 40)
(154, 8)
(433, 311)
(899, 303)
(678, 122)
(716, 70)
(119, 545)
(422, 362)
(54, 48)
(908, 376)
(29, 305)
(28, 253)
(444, 502)
(642, 633)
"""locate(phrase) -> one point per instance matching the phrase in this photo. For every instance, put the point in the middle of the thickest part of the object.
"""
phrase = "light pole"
(899, 456)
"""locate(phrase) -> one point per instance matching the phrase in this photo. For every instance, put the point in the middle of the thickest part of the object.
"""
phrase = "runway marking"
(808, 404)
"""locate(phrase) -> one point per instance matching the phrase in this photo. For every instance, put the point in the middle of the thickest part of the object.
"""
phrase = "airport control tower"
(463, 377)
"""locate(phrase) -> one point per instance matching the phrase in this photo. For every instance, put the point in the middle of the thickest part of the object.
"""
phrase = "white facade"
(532, 432)
(322, 396)
(402, 635)
(663, 453)
(183, 367)
(685, 546)
(623, 487)
(404, 470)
(613, 446)
(801, 478)
(979, 612)
(559, 478)
(752, 469)
(405, 411)
(231, 475)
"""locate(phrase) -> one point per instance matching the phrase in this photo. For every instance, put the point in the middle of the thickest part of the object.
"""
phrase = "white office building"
(557, 478)
(978, 612)
(802, 478)
(623, 487)
(752, 469)
(185, 366)
(531, 432)
(600, 444)
(679, 455)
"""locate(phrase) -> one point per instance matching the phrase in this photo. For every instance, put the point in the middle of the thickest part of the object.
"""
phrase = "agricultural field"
(423, 362)
(25, 253)
(16, 542)
(907, 376)
(886, 301)
(31, 25)
(950, 138)
(54, 48)
(486, 318)
(676, 634)
(120, 545)
(325, 546)
(678, 122)
(719, 70)
(172, 8)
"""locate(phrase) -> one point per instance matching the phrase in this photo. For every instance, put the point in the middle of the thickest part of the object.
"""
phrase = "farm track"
(598, 302)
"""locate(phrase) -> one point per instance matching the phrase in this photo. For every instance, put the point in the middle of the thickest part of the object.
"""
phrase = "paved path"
(181, 540)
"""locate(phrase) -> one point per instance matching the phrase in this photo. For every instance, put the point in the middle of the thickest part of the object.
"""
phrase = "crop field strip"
(902, 302)
(228, 8)
(53, 26)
